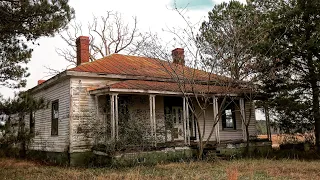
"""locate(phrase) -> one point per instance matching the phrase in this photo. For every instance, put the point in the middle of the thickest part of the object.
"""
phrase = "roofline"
(53, 80)
(131, 77)
(67, 73)
(133, 91)
(104, 91)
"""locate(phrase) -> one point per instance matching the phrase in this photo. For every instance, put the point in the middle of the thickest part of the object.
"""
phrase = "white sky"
(152, 15)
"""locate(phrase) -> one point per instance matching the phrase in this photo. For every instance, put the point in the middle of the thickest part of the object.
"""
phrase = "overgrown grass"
(236, 169)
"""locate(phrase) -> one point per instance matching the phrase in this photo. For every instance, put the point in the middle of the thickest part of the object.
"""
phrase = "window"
(229, 116)
(54, 118)
(32, 123)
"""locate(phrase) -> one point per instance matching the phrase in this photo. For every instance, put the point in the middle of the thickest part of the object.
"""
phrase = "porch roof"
(159, 87)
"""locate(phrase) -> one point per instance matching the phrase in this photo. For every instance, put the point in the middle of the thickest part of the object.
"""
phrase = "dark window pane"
(54, 117)
(179, 115)
(228, 116)
(174, 115)
(32, 123)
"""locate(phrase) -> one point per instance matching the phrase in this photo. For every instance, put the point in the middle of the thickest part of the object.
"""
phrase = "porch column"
(114, 116)
(184, 116)
(96, 98)
(243, 118)
(153, 124)
(215, 116)
(188, 121)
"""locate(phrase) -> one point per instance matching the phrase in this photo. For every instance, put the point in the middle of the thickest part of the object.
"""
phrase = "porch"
(161, 120)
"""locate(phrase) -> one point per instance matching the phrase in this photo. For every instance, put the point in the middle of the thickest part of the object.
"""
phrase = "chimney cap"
(178, 49)
(82, 38)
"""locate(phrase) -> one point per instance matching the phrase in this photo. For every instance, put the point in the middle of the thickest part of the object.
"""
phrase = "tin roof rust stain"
(142, 66)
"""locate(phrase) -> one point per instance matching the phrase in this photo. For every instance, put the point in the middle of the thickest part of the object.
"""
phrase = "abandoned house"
(95, 102)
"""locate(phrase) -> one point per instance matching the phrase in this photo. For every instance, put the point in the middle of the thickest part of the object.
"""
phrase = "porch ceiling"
(157, 87)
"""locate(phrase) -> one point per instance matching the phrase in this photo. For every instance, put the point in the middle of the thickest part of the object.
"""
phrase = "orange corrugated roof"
(170, 86)
(142, 66)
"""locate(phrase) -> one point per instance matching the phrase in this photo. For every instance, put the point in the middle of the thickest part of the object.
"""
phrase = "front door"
(177, 120)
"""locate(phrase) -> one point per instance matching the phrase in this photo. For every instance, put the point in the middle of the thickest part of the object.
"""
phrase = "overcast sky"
(152, 15)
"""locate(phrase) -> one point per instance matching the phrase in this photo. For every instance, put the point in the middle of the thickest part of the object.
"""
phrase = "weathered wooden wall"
(43, 139)
(228, 134)
(83, 114)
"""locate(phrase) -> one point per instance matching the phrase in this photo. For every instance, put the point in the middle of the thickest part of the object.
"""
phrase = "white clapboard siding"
(232, 134)
(238, 134)
(160, 118)
(252, 125)
(43, 140)
(83, 111)
(228, 134)
(206, 124)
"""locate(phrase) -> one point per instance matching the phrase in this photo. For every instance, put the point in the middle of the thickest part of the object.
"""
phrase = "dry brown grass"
(278, 139)
(231, 170)
(232, 174)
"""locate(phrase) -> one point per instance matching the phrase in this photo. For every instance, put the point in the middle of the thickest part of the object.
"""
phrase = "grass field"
(237, 169)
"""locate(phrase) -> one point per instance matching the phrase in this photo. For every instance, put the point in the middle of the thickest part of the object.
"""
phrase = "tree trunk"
(316, 113)
(248, 142)
(200, 153)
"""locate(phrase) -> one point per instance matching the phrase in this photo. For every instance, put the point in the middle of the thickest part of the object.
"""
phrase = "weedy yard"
(236, 169)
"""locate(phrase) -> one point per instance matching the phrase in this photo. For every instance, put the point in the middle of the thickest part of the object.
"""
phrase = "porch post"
(215, 115)
(97, 105)
(96, 98)
(184, 120)
(188, 121)
(112, 116)
(116, 116)
(154, 120)
(153, 124)
(243, 118)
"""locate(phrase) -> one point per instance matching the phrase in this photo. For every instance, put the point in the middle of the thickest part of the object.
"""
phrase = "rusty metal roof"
(166, 75)
(143, 66)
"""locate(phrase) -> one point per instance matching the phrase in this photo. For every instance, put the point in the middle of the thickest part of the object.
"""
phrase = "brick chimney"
(82, 49)
(178, 56)
(41, 81)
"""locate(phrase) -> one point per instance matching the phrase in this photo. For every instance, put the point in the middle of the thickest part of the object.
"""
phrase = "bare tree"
(229, 37)
(220, 63)
(108, 34)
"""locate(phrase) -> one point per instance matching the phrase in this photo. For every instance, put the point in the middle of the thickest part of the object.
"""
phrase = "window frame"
(54, 121)
(229, 106)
